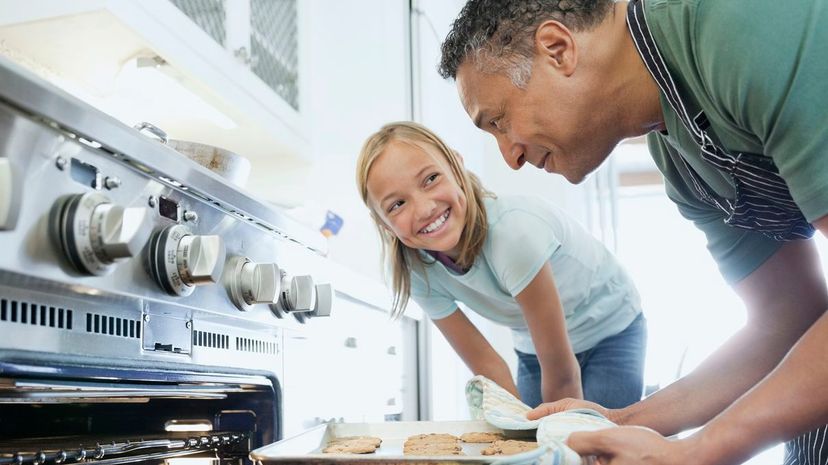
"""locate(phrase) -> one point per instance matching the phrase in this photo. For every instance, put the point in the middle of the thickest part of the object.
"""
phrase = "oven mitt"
(490, 402)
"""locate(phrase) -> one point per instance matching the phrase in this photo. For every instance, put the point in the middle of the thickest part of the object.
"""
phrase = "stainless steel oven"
(143, 299)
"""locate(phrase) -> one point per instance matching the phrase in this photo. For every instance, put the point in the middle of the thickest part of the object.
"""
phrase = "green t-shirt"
(757, 69)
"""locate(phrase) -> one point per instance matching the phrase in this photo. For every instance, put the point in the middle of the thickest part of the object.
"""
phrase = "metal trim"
(31, 94)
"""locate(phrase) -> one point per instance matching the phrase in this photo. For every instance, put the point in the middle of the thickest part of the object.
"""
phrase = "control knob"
(324, 303)
(180, 260)
(94, 233)
(252, 283)
(298, 294)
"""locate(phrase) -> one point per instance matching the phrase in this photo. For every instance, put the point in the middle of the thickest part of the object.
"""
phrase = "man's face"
(557, 122)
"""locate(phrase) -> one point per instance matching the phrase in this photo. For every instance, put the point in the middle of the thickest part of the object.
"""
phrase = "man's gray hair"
(498, 35)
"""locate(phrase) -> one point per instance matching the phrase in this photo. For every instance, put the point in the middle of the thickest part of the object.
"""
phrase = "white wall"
(359, 81)
(437, 104)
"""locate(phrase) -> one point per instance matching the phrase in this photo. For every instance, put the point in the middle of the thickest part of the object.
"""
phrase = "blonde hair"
(400, 257)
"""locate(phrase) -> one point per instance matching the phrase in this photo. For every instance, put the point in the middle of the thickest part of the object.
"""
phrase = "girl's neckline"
(447, 262)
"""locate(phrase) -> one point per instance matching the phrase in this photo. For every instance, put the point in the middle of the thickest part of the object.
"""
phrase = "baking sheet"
(306, 448)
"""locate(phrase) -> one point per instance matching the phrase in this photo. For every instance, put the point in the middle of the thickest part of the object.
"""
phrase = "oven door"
(67, 414)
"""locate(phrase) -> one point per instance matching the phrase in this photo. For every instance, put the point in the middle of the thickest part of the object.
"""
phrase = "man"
(732, 96)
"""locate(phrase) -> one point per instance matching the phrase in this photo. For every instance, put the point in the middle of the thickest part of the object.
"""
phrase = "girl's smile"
(412, 189)
(436, 226)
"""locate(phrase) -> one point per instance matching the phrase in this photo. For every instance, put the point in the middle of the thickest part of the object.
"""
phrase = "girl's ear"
(459, 156)
(381, 223)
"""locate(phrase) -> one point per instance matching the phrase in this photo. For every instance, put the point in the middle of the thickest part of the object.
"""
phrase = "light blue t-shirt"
(599, 299)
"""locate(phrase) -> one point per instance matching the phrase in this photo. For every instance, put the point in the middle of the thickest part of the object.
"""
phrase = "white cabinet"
(357, 366)
(220, 72)
(262, 34)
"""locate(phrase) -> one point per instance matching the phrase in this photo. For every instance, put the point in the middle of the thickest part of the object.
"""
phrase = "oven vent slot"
(213, 340)
(16, 311)
(113, 326)
(245, 344)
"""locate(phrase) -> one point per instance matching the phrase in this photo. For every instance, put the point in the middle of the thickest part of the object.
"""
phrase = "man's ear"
(556, 46)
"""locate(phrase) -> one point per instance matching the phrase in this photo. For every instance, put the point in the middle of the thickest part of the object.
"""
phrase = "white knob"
(249, 283)
(9, 195)
(200, 259)
(324, 300)
(119, 232)
(260, 283)
(93, 233)
(179, 260)
(299, 295)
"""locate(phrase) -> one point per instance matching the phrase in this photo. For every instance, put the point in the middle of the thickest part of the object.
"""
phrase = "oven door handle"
(17, 390)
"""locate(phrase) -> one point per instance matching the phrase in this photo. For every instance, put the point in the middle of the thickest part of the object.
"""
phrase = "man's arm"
(544, 314)
(475, 350)
(784, 296)
(791, 400)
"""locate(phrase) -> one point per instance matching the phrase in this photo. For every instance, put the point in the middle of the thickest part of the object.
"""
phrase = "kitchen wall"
(358, 81)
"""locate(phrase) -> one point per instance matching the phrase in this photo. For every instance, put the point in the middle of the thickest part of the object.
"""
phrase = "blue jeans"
(612, 372)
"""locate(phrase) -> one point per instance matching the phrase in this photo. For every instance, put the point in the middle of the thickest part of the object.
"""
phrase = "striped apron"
(763, 202)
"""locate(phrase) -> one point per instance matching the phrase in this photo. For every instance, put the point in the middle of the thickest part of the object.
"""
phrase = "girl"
(575, 316)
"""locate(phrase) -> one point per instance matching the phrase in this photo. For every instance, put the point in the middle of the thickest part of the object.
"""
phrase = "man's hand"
(631, 445)
(549, 408)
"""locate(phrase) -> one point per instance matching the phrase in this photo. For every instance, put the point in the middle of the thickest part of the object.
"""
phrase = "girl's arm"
(475, 350)
(560, 373)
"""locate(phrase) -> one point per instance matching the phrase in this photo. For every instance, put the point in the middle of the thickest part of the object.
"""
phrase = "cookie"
(432, 438)
(479, 437)
(432, 444)
(353, 445)
(350, 448)
(509, 447)
(443, 445)
(369, 439)
(439, 449)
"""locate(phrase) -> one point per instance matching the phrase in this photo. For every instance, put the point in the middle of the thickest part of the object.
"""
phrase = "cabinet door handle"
(244, 56)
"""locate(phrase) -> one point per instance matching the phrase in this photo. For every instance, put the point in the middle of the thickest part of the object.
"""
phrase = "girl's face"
(415, 194)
